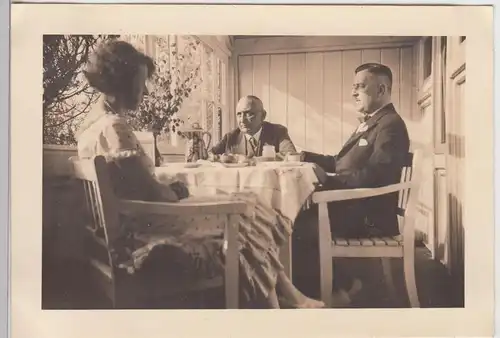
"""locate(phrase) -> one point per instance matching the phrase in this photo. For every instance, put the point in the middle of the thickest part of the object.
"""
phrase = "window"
(427, 58)
(207, 101)
(462, 39)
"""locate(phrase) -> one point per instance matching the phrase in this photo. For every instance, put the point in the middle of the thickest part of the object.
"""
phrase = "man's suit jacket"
(371, 158)
(272, 134)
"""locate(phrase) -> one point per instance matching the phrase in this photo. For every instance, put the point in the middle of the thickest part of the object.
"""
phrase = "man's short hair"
(377, 69)
(255, 102)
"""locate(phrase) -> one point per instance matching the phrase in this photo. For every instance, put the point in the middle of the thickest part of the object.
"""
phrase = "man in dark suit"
(253, 132)
(372, 157)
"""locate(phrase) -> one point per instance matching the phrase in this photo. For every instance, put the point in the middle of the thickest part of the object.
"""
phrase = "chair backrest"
(408, 198)
(102, 219)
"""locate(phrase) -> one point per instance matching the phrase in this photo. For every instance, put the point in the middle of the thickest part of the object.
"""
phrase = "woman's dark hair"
(112, 67)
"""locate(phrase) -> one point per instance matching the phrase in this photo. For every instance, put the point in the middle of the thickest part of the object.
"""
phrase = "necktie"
(253, 143)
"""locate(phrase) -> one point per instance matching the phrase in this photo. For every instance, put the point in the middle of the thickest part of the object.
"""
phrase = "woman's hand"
(180, 189)
(167, 194)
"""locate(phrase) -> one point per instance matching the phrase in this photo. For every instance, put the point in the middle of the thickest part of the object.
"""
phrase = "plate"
(291, 164)
(260, 159)
(235, 165)
(192, 165)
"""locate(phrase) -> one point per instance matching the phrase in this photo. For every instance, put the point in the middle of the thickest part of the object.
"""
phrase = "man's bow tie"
(363, 118)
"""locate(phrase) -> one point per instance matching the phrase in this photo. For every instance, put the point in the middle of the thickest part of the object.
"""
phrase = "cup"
(241, 158)
(293, 157)
(268, 151)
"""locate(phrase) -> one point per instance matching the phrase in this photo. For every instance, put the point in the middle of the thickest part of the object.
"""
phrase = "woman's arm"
(129, 171)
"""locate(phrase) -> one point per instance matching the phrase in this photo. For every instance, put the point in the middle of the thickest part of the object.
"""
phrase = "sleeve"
(220, 148)
(131, 172)
(120, 140)
(286, 145)
(390, 149)
(326, 162)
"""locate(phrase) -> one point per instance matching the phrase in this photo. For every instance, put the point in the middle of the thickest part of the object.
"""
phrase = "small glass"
(268, 151)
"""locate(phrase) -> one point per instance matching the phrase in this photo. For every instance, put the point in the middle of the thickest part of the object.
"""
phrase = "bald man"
(253, 132)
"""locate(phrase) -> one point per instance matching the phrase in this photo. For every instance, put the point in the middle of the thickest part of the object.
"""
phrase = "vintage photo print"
(179, 170)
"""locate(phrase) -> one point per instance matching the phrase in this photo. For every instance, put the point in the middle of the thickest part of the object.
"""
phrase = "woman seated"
(183, 247)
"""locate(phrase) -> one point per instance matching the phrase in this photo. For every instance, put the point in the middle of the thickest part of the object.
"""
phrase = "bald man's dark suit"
(272, 134)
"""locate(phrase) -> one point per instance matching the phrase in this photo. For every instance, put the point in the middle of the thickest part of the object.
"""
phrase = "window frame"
(221, 107)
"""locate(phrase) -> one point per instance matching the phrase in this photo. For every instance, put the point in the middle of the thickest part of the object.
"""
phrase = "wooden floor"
(65, 287)
(435, 287)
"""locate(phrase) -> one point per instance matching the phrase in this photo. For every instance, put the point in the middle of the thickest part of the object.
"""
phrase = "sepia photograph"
(240, 171)
(311, 171)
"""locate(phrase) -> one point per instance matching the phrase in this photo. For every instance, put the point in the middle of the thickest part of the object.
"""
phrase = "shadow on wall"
(310, 93)
(324, 128)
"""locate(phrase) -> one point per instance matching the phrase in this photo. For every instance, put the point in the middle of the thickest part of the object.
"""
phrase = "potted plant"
(176, 77)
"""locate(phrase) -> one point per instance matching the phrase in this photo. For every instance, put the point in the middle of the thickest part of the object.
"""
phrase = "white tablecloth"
(284, 186)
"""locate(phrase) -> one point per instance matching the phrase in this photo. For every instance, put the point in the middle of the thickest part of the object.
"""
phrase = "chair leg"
(411, 285)
(326, 279)
(232, 264)
(325, 255)
(389, 281)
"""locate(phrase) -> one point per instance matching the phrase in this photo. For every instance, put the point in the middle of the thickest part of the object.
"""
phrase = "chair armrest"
(128, 207)
(350, 194)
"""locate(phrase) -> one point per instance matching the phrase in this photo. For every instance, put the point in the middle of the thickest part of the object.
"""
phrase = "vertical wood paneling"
(261, 79)
(245, 69)
(455, 168)
(391, 58)
(427, 188)
(406, 83)
(460, 178)
(332, 98)
(296, 98)
(350, 61)
(278, 92)
(370, 55)
(442, 232)
(455, 159)
(314, 102)
(310, 93)
(415, 111)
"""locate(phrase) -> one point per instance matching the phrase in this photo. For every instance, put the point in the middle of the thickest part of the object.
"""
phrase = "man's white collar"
(376, 111)
(256, 136)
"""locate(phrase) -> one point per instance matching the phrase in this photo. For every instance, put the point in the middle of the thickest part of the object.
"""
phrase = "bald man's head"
(250, 114)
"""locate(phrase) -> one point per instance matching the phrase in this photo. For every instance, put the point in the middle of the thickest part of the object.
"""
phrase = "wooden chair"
(104, 209)
(402, 246)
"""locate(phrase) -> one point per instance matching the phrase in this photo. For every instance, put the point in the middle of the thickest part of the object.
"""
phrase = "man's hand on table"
(212, 157)
(320, 173)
